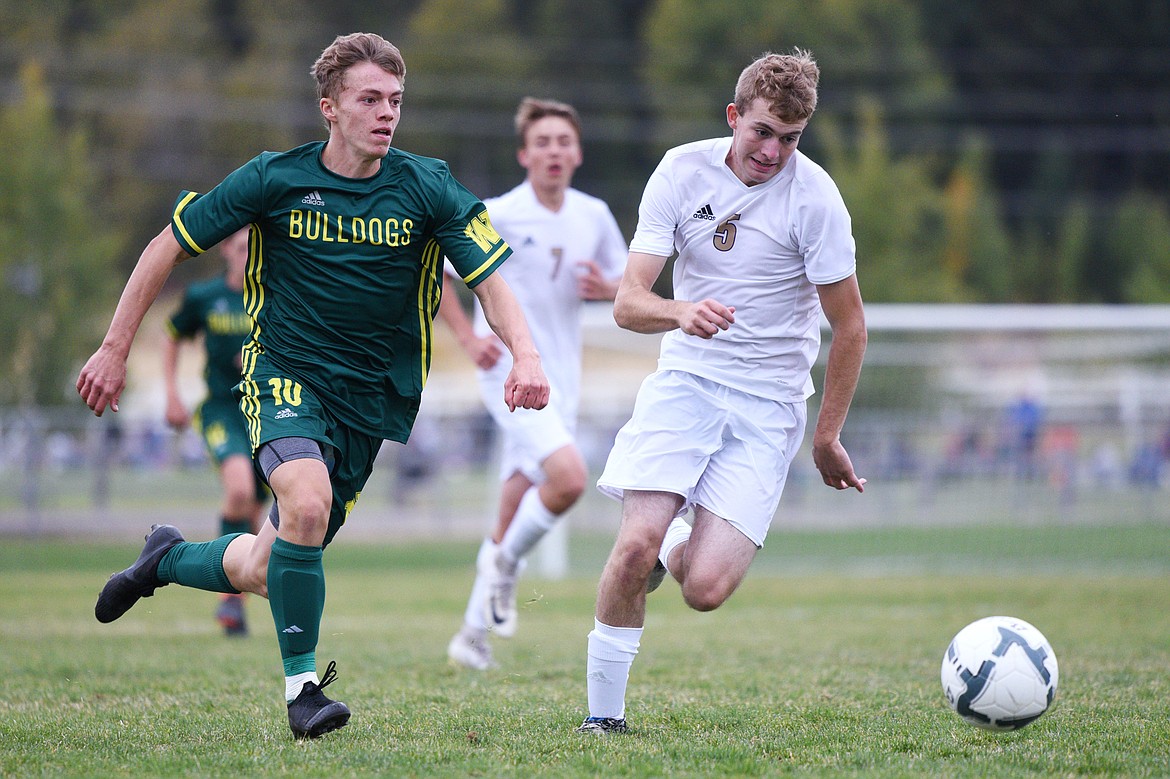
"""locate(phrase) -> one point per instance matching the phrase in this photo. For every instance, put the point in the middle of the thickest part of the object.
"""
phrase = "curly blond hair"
(788, 82)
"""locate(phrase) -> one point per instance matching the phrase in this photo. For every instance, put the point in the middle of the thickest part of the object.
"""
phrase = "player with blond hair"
(764, 247)
(348, 237)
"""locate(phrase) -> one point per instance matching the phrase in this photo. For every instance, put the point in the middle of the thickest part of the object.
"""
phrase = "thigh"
(303, 498)
(645, 518)
(239, 474)
(718, 550)
(649, 513)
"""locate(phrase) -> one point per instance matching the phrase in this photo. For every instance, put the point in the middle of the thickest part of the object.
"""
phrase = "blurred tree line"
(989, 151)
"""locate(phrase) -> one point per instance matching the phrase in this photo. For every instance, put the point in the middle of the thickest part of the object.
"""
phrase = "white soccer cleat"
(471, 651)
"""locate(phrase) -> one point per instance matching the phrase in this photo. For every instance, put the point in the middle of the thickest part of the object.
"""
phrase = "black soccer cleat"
(139, 580)
(603, 726)
(230, 614)
(312, 714)
(656, 577)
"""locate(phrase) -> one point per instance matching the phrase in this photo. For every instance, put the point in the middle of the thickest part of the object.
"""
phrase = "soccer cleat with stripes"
(603, 726)
(139, 580)
(312, 714)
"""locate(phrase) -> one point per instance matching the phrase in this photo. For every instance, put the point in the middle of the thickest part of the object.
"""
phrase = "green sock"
(296, 595)
(228, 527)
(198, 565)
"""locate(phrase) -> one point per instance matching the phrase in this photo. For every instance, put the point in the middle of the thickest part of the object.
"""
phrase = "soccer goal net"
(964, 415)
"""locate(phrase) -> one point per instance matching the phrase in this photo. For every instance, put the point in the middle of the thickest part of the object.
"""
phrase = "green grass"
(825, 663)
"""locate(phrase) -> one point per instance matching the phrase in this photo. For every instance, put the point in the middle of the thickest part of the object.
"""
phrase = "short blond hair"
(788, 82)
(533, 109)
(348, 50)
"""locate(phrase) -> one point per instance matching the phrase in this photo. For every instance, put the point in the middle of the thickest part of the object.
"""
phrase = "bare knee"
(239, 502)
(561, 494)
(304, 512)
(306, 506)
(566, 480)
(634, 559)
(707, 593)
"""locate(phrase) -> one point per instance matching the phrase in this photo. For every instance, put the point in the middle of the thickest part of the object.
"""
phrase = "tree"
(897, 212)
(977, 246)
(55, 253)
(867, 48)
(1139, 244)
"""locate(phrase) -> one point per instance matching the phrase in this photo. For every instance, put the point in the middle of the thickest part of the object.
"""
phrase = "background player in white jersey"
(764, 245)
(567, 248)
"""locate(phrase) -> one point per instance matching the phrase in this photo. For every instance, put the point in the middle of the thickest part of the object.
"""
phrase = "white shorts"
(529, 436)
(725, 450)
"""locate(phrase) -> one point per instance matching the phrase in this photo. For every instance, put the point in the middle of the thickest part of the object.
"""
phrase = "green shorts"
(277, 406)
(221, 425)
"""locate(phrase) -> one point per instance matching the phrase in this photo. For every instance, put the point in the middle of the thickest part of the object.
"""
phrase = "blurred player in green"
(346, 246)
(215, 308)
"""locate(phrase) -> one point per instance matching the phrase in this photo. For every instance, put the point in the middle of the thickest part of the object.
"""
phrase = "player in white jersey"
(764, 246)
(567, 248)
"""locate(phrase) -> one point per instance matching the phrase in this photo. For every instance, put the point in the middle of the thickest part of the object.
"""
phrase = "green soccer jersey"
(216, 310)
(344, 275)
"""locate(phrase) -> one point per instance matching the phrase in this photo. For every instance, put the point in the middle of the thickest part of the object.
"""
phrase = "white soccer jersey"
(543, 272)
(759, 249)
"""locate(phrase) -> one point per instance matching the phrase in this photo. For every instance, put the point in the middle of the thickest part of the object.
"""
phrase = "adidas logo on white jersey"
(287, 413)
(704, 213)
(313, 199)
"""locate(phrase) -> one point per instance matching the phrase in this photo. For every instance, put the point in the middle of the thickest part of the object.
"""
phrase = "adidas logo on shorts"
(704, 213)
(287, 413)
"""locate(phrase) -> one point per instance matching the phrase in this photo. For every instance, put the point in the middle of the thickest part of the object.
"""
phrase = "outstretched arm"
(841, 302)
(103, 378)
(526, 385)
(639, 308)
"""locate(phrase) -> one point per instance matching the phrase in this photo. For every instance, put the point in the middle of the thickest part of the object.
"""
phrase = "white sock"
(530, 524)
(293, 684)
(484, 562)
(610, 654)
(679, 532)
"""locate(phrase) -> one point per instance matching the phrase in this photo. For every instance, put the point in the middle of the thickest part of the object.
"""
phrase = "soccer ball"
(999, 673)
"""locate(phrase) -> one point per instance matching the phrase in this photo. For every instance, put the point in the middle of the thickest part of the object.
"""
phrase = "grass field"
(825, 663)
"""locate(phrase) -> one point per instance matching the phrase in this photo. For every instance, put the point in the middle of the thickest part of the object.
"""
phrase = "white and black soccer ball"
(999, 673)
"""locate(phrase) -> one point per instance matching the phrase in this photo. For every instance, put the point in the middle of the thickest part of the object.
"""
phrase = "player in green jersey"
(215, 308)
(344, 276)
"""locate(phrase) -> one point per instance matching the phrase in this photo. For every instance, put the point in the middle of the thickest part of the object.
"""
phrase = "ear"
(327, 109)
(522, 157)
(732, 115)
